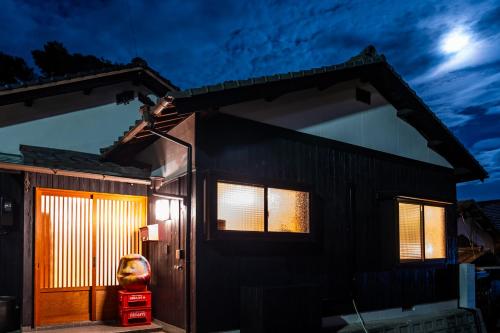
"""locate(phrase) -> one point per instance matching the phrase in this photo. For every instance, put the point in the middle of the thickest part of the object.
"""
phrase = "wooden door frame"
(39, 192)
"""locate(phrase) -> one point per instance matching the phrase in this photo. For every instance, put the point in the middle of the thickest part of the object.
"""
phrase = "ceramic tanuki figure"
(133, 272)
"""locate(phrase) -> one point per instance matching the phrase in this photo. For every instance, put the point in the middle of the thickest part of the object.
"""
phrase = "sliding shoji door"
(79, 239)
(117, 222)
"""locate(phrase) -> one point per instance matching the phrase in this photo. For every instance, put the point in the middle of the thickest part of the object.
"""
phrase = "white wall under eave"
(379, 129)
(336, 114)
(86, 130)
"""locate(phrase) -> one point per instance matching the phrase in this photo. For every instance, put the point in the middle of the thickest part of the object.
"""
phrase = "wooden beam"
(170, 120)
(363, 95)
(434, 143)
(28, 301)
(405, 113)
(45, 170)
(272, 97)
(133, 132)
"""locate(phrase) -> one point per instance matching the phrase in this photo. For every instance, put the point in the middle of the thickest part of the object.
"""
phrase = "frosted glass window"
(434, 227)
(410, 241)
(288, 211)
(240, 207)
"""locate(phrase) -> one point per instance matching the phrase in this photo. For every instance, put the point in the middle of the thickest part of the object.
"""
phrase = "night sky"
(449, 52)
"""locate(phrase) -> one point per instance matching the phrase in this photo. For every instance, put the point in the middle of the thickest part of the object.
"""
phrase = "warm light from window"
(421, 232)
(162, 209)
(240, 207)
(435, 241)
(410, 242)
(288, 211)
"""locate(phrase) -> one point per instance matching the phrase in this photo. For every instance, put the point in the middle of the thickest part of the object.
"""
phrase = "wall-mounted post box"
(154, 232)
(6, 212)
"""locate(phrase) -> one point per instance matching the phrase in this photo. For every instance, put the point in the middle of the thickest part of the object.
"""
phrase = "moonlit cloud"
(456, 41)
(195, 43)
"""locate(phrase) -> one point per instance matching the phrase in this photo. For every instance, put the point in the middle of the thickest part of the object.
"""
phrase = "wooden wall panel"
(65, 306)
(107, 303)
(11, 242)
(168, 284)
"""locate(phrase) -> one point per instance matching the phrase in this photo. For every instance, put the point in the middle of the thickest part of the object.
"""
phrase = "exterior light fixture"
(162, 210)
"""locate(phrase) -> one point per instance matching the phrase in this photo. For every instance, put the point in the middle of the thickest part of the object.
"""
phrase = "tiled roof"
(71, 161)
(491, 209)
(11, 158)
(45, 80)
(368, 56)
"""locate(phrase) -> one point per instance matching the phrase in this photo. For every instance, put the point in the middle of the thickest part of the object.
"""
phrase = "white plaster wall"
(335, 114)
(379, 129)
(87, 130)
(169, 159)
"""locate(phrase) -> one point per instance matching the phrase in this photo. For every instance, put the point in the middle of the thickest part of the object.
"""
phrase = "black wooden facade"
(353, 254)
(11, 246)
(357, 252)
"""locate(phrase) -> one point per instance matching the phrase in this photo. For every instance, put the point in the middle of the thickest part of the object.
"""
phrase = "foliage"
(55, 60)
(14, 70)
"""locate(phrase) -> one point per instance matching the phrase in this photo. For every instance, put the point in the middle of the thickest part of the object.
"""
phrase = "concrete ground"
(103, 328)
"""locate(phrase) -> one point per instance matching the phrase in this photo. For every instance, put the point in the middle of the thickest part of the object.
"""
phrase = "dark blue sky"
(448, 51)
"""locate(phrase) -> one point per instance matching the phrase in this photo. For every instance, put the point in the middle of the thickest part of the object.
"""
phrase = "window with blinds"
(243, 208)
(421, 231)
(410, 232)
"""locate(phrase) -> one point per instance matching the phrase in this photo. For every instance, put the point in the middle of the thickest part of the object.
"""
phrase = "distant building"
(478, 230)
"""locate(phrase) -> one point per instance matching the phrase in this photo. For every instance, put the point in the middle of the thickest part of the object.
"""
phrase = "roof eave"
(144, 75)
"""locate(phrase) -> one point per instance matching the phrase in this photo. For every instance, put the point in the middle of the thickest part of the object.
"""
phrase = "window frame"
(210, 212)
(422, 203)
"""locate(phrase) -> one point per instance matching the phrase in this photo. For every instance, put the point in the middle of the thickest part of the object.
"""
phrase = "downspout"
(167, 103)
(189, 180)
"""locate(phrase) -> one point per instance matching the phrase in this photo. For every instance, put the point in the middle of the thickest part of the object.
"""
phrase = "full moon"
(455, 41)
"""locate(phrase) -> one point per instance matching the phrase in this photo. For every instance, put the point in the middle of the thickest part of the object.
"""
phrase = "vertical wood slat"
(118, 223)
(75, 226)
(64, 238)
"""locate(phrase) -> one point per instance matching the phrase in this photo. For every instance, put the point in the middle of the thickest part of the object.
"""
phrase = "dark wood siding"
(358, 255)
(168, 284)
(11, 238)
(34, 180)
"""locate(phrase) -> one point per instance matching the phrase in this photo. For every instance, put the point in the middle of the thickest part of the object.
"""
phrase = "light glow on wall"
(435, 240)
(162, 209)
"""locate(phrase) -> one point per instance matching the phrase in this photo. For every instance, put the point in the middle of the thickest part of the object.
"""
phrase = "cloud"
(196, 43)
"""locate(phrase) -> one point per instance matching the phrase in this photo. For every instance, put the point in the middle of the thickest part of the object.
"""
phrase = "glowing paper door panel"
(79, 238)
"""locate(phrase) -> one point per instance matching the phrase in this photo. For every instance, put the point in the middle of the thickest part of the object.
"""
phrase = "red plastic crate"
(128, 299)
(135, 316)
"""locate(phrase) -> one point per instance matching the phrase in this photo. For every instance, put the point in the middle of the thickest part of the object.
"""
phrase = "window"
(421, 231)
(240, 207)
(243, 207)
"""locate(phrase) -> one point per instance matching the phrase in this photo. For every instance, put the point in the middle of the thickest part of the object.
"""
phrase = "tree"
(14, 70)
(55, 60)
